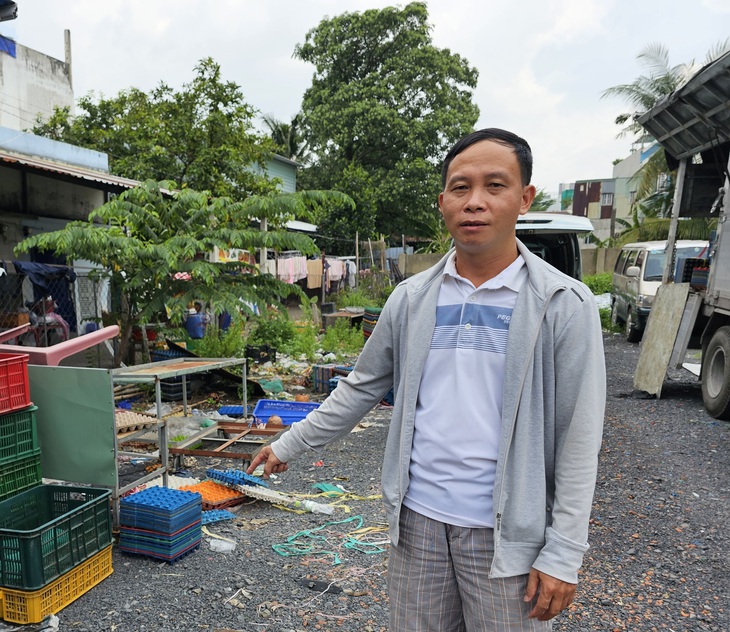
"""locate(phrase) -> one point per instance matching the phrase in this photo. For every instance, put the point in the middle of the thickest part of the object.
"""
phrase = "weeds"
(599, 283)
(342, 339)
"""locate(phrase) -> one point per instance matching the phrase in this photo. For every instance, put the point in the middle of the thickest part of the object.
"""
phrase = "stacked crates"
(55, 544)
(20, 456)
(160, 522)
(55, 540)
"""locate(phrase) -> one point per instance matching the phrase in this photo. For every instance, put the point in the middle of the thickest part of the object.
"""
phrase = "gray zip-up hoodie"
(552, 413)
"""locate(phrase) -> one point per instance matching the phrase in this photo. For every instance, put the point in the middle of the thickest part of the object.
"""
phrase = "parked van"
(555, 237)
(638, 275)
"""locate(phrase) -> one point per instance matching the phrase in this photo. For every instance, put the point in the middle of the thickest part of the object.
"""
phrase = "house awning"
(61, 171)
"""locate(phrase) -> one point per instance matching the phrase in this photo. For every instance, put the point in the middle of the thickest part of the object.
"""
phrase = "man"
(491, 458)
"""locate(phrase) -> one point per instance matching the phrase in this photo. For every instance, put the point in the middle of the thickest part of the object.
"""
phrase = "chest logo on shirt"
(472, 327)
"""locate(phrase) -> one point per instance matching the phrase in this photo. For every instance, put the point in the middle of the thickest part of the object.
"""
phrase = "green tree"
(659, 81)
(153, 248)
(384, 106)
(201, 136)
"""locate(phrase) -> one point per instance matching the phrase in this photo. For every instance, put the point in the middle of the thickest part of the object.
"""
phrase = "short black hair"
(521, 148)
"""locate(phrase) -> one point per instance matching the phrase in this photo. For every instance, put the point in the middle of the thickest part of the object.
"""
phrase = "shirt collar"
(512, 277)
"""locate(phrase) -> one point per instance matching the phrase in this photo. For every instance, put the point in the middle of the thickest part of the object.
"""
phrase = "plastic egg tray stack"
(216, 495)
(160, 522)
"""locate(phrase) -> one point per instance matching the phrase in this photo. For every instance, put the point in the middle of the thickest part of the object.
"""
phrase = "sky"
(543, 64)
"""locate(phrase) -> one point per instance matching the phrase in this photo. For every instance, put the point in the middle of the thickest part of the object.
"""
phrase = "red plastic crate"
(14, 389)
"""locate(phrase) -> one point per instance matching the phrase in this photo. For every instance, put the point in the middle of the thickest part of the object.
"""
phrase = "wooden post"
(672, 238)
(357, 258)
(324, 276)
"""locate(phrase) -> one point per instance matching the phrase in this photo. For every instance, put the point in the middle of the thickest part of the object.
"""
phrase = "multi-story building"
(605, 200)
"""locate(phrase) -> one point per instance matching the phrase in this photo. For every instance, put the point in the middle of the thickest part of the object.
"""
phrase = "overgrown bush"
(221, 344)
(274, 329)
(353, 297)
(599, 283)
(304, 341)
(376, 284)
(342, 339)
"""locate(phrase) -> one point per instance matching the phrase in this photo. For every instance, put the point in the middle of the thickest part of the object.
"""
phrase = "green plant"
(357, 297)
(375, 283)
(274, 329)
(599, 283)
(606, 324)
(221, 344)
(342, 339)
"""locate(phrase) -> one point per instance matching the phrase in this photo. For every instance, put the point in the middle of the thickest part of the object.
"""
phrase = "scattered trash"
(312, 542)
(320, 586)
(217, 515)
(222, 546)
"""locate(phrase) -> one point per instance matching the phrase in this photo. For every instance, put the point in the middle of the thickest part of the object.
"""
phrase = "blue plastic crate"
(290, 412)
(233, 411)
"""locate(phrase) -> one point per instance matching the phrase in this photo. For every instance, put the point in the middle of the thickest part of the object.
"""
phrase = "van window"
(621, 261)
(630, 260)
(655, 265)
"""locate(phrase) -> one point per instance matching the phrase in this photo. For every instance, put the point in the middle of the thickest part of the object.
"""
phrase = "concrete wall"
(31, 84)
(598, 260)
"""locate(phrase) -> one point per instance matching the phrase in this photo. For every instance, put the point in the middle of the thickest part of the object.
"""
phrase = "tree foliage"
(201, 136)
(153, 248)
(384, 107)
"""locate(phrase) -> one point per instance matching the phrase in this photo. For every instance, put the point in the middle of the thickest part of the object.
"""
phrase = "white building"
(32, 84)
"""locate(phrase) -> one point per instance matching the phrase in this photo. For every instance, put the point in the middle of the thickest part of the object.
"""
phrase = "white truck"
(693, 126)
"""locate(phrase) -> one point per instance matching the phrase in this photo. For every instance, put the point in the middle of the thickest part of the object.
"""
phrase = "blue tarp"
(7, 46)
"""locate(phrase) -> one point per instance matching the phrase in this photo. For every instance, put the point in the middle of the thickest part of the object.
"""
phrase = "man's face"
(483, 198)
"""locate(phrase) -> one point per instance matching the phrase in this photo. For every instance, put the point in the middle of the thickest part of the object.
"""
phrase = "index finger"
(257, 460)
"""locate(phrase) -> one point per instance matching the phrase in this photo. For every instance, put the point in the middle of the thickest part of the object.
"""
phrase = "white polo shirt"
(459, 409)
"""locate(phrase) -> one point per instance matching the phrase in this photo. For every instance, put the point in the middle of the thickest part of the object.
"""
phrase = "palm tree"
(661, 80)
(288, 138)
(642, 94)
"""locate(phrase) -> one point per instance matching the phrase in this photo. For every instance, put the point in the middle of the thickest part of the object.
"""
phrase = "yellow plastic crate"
(20, 606)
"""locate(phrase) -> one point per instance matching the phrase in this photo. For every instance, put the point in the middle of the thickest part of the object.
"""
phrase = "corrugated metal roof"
(695, 117)
(106, 180)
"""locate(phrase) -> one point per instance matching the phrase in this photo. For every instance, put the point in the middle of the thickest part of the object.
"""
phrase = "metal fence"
(56, 307)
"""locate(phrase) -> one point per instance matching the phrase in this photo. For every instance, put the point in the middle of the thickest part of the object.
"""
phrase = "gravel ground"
(659, 535)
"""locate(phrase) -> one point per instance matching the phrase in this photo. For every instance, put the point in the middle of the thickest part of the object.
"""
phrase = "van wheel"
(716, 375)
(632, 333)
(615, 320)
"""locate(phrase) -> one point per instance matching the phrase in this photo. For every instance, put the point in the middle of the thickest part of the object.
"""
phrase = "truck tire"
(632, 333)
(716, 374)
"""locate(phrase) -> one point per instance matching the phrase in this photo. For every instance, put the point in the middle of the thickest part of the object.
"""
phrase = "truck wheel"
(632, 333)
(716, 374)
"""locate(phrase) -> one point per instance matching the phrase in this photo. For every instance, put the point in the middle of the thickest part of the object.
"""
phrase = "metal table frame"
(154, 373)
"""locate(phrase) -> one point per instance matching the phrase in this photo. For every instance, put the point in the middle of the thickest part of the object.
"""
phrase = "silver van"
(555, 237)
(638, 275)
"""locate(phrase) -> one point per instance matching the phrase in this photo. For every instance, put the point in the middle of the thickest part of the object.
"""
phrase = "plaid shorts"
(438, 581)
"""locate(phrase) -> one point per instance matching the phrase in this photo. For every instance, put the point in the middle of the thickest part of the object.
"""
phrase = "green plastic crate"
(20, 474)
(18, 435)
(48, 530)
